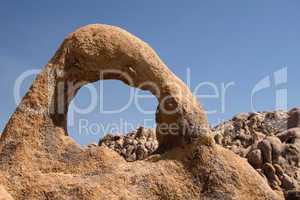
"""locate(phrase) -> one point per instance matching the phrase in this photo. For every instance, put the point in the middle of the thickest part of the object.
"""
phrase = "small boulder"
(255, 158)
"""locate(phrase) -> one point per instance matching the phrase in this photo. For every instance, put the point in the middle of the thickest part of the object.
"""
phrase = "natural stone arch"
(88, 52)
(38, 160)
(117, 54)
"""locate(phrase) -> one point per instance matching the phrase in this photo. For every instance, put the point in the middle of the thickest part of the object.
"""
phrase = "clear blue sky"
(220, 41)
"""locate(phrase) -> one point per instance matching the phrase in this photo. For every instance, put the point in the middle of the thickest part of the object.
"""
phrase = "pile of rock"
(136, 145)
(270, 141)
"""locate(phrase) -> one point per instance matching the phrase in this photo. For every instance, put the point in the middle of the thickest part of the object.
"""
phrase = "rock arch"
(100, 52)
(39, 161)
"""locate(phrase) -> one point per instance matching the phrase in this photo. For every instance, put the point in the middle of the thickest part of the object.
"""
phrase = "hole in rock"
(109, 107)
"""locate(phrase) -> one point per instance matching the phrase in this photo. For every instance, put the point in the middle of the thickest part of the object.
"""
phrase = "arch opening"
(109, 107)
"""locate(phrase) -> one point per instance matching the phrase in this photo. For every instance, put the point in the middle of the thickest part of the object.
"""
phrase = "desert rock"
(269, 141)
(38, 160)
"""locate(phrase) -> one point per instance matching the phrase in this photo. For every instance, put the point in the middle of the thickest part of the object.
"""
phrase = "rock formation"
(266, 139)
(38, 160)
(137, 145)
(270, 141)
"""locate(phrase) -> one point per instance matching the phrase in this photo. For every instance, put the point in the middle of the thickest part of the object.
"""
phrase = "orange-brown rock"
(38, 160)
(4, 194)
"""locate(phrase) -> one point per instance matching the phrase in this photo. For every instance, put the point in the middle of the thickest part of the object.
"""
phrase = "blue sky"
(219, 41)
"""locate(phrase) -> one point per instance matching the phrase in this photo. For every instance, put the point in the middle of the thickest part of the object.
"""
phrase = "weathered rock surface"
(137, 145)
(271, 143)
(4, 194)
(265, 139)
(38, 160)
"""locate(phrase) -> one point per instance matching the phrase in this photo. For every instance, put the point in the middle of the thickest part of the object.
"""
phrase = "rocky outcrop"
(270, 141)
(266, 139)
(136, 145)
(38, 160)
